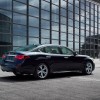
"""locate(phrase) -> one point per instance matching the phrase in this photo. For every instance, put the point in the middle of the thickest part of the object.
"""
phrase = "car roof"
(43, 45)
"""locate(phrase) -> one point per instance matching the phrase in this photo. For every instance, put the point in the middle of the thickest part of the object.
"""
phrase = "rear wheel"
(41, 71)
(88, 68)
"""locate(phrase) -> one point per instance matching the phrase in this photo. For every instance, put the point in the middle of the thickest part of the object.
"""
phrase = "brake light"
(21, 57)
(3, 56)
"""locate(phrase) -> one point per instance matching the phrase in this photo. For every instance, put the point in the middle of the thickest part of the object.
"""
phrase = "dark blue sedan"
(41, 60)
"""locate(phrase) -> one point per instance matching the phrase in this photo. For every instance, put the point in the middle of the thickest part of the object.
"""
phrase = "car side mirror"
(75, 53)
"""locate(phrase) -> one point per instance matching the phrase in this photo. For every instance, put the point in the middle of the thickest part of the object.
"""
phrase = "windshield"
(26, 48)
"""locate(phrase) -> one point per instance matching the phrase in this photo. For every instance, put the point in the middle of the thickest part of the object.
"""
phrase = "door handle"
(65, 57)
(48, 56)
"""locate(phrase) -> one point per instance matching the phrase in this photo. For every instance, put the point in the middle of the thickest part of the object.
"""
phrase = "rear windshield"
(26, 48)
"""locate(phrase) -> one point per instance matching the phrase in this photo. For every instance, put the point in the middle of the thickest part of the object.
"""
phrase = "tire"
(88, 68)
(17, 73)
(41, 71)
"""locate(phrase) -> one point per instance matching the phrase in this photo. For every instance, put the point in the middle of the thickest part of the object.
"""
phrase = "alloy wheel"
(88, 68)
(42, 71)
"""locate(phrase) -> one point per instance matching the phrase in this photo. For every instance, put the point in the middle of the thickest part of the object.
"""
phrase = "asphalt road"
(67, 86)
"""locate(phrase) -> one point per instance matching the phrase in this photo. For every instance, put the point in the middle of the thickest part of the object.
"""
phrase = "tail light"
(21, 57)
(3, 56)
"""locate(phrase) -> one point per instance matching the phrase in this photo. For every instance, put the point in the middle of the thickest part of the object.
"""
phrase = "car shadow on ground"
(24, 78)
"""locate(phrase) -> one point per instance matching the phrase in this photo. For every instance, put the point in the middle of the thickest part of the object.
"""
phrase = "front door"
(69, 58)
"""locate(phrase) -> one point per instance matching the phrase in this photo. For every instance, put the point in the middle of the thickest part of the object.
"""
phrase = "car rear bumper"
(8, 68)
(22, 69)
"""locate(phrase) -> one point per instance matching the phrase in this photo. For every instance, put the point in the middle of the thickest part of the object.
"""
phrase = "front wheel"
(88, 68)
(41, 71)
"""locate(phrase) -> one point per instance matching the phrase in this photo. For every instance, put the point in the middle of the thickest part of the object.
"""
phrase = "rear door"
(54, 57)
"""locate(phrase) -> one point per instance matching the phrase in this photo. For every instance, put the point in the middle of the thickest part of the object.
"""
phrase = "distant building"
(91, 46)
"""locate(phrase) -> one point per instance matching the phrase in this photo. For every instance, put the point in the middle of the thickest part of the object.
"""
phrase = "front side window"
(66, 51)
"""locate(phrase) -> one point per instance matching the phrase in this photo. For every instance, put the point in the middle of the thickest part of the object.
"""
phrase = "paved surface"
(69, 86)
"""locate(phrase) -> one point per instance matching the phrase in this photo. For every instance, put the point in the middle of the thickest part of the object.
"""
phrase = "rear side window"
(42, 49)
(52, 49)
(47, 49)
